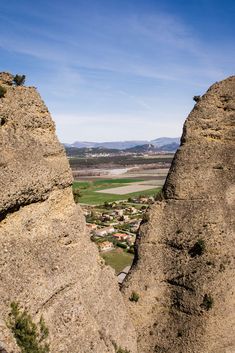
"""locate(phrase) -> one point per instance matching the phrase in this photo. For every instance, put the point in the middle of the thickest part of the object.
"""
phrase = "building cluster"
(115, 224)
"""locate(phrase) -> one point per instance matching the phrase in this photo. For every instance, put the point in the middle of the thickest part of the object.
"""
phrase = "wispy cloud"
(100, 70)
(161, 36)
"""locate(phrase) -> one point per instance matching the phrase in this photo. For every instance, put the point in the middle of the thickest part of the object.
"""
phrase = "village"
(115, 224)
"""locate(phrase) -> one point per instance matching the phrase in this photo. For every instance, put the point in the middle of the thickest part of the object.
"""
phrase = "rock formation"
(184, 270)
(182, 286)
(47, 262)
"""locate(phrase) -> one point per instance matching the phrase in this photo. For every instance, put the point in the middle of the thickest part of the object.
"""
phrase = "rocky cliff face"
(185, 270)
(47, 262)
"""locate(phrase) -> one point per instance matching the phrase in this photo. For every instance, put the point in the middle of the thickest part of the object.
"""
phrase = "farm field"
(117, 259)
(134, 187)
(86, 191)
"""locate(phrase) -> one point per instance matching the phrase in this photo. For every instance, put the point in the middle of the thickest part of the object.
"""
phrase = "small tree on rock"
(19, 80)
(197, 98)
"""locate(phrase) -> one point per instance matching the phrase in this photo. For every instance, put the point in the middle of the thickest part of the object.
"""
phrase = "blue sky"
(118, 69)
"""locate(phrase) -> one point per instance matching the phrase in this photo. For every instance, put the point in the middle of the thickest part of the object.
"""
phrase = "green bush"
(121, 245)
(107, 205)
(19, 80)
(29, 337)
(134, 297)
(76, 195)
(131, 250)
(207, 303)
(197, 98)
(2, 91)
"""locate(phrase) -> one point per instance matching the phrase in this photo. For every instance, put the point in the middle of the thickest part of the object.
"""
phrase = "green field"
(88, 195)
(118, 259)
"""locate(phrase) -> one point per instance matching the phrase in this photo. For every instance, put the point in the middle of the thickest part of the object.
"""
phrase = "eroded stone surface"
(47, 262)
(185, 273)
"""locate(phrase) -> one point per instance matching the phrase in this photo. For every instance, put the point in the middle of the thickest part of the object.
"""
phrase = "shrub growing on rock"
(196, 98)
(207, 302)
(29, 337)
(134, 297)
(19, 80)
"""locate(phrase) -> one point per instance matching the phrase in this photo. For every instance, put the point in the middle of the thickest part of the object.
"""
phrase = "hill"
(122, 145)
(83, 151)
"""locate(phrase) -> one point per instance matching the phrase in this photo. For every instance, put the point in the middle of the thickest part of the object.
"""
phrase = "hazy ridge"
(158, 142)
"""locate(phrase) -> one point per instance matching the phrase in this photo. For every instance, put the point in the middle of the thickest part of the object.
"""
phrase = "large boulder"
(184, 271)
(47, 262)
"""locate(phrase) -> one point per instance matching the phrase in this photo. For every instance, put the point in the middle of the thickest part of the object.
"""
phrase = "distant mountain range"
(170, 147)
(167, 142)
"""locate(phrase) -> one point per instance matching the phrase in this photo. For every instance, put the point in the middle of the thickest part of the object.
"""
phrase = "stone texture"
(47, 262)
(184, 268)
(6, 78)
